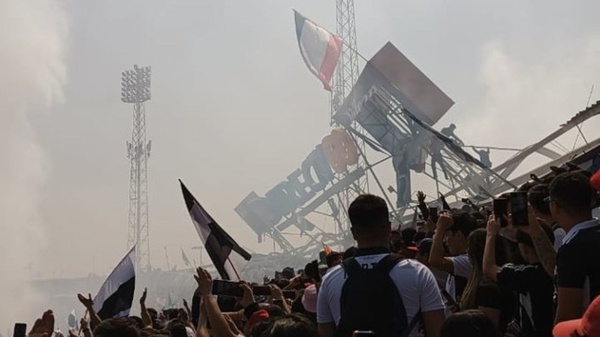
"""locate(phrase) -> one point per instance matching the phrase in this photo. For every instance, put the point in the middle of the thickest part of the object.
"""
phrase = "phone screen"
(500, 210)
(518, 208)
(261, 290)
(227, 288)
(20, 330)
(433, 214)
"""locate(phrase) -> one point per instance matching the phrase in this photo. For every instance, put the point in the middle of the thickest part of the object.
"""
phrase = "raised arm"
(489, 253)
(219, 325)
(422, 206)
(444, 202)
(88, 303)
(146, 319)
(543, 246)
(278, 299)
(436, 255)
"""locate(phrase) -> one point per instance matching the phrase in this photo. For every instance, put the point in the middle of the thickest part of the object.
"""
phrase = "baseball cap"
(588, 325)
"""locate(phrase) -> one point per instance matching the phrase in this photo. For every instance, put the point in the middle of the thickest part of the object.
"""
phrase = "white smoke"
(32, 46)
(531, 91)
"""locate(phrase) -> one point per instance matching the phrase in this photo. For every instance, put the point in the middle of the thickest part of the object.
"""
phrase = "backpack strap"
(388, 262)
(412, 324)
(351, 266)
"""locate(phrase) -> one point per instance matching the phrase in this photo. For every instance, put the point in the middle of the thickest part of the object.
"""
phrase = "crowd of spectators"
(461, 272)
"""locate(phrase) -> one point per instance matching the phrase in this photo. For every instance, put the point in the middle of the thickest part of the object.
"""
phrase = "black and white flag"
(116, 294)
(227, 256)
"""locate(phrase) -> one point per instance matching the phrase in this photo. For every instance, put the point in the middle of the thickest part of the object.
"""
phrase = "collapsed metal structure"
(382, 117)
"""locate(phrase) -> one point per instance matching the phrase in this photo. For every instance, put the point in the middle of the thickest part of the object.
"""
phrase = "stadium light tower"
(135, 89)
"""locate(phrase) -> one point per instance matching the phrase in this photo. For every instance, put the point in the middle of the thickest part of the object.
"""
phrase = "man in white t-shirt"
(453, 230)
(415, 283)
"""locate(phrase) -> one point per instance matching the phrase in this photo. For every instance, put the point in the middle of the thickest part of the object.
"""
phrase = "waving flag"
(227, 256)
(319, 48)
(116, 294)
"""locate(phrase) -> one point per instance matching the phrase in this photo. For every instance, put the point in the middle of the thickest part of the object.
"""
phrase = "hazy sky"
(234, 108)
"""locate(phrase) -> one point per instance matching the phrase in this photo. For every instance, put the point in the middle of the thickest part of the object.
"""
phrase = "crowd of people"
(462, 272)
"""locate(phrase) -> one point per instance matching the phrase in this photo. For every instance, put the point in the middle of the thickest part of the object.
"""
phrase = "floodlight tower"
(135, 88)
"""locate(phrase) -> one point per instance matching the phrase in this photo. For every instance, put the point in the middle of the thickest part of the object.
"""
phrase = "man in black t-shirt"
(578, 259)
(530, 281)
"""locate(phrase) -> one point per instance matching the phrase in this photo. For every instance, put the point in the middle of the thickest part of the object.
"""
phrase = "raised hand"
(43, 327)
(420, 197)
(248, 297)
(276, 292)
(204, 281)
(493, 226)
(83, 324)
(444, 221)
(143, 298)
(87, 302)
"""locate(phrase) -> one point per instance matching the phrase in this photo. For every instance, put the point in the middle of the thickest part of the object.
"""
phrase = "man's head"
(370, 221)
(571, 197)
(537, 196)
(334, 258)
(456, 235)
(293, 326)
(117, 327)
(526, 247)
(178, 330)
(424, 247)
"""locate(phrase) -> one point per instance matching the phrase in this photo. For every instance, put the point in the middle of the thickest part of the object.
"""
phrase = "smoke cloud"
(33, 37)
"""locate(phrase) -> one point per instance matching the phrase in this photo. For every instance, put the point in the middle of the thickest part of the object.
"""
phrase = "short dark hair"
(464, 222)
(178, 330)
(293, 325)
(117, 327)
(537, 195)
(368, 211)
(333, 257)
(572, 192)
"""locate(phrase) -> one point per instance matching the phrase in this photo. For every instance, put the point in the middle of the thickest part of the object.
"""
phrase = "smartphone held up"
(518, 209)
(500, 206)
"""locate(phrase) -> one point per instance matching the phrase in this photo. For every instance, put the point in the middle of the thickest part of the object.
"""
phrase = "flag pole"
(84, 317)
(234, 270)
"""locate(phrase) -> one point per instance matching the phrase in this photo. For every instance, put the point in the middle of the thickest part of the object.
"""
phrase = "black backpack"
(370, 300)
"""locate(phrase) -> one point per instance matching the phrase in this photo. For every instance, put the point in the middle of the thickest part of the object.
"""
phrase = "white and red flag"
(319, 48)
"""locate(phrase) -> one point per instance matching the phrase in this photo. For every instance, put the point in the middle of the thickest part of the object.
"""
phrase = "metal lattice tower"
(346, 72)
(136, 89)
(346, 75)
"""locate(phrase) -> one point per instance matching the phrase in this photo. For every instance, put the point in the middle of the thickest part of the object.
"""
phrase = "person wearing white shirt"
(416, 285)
